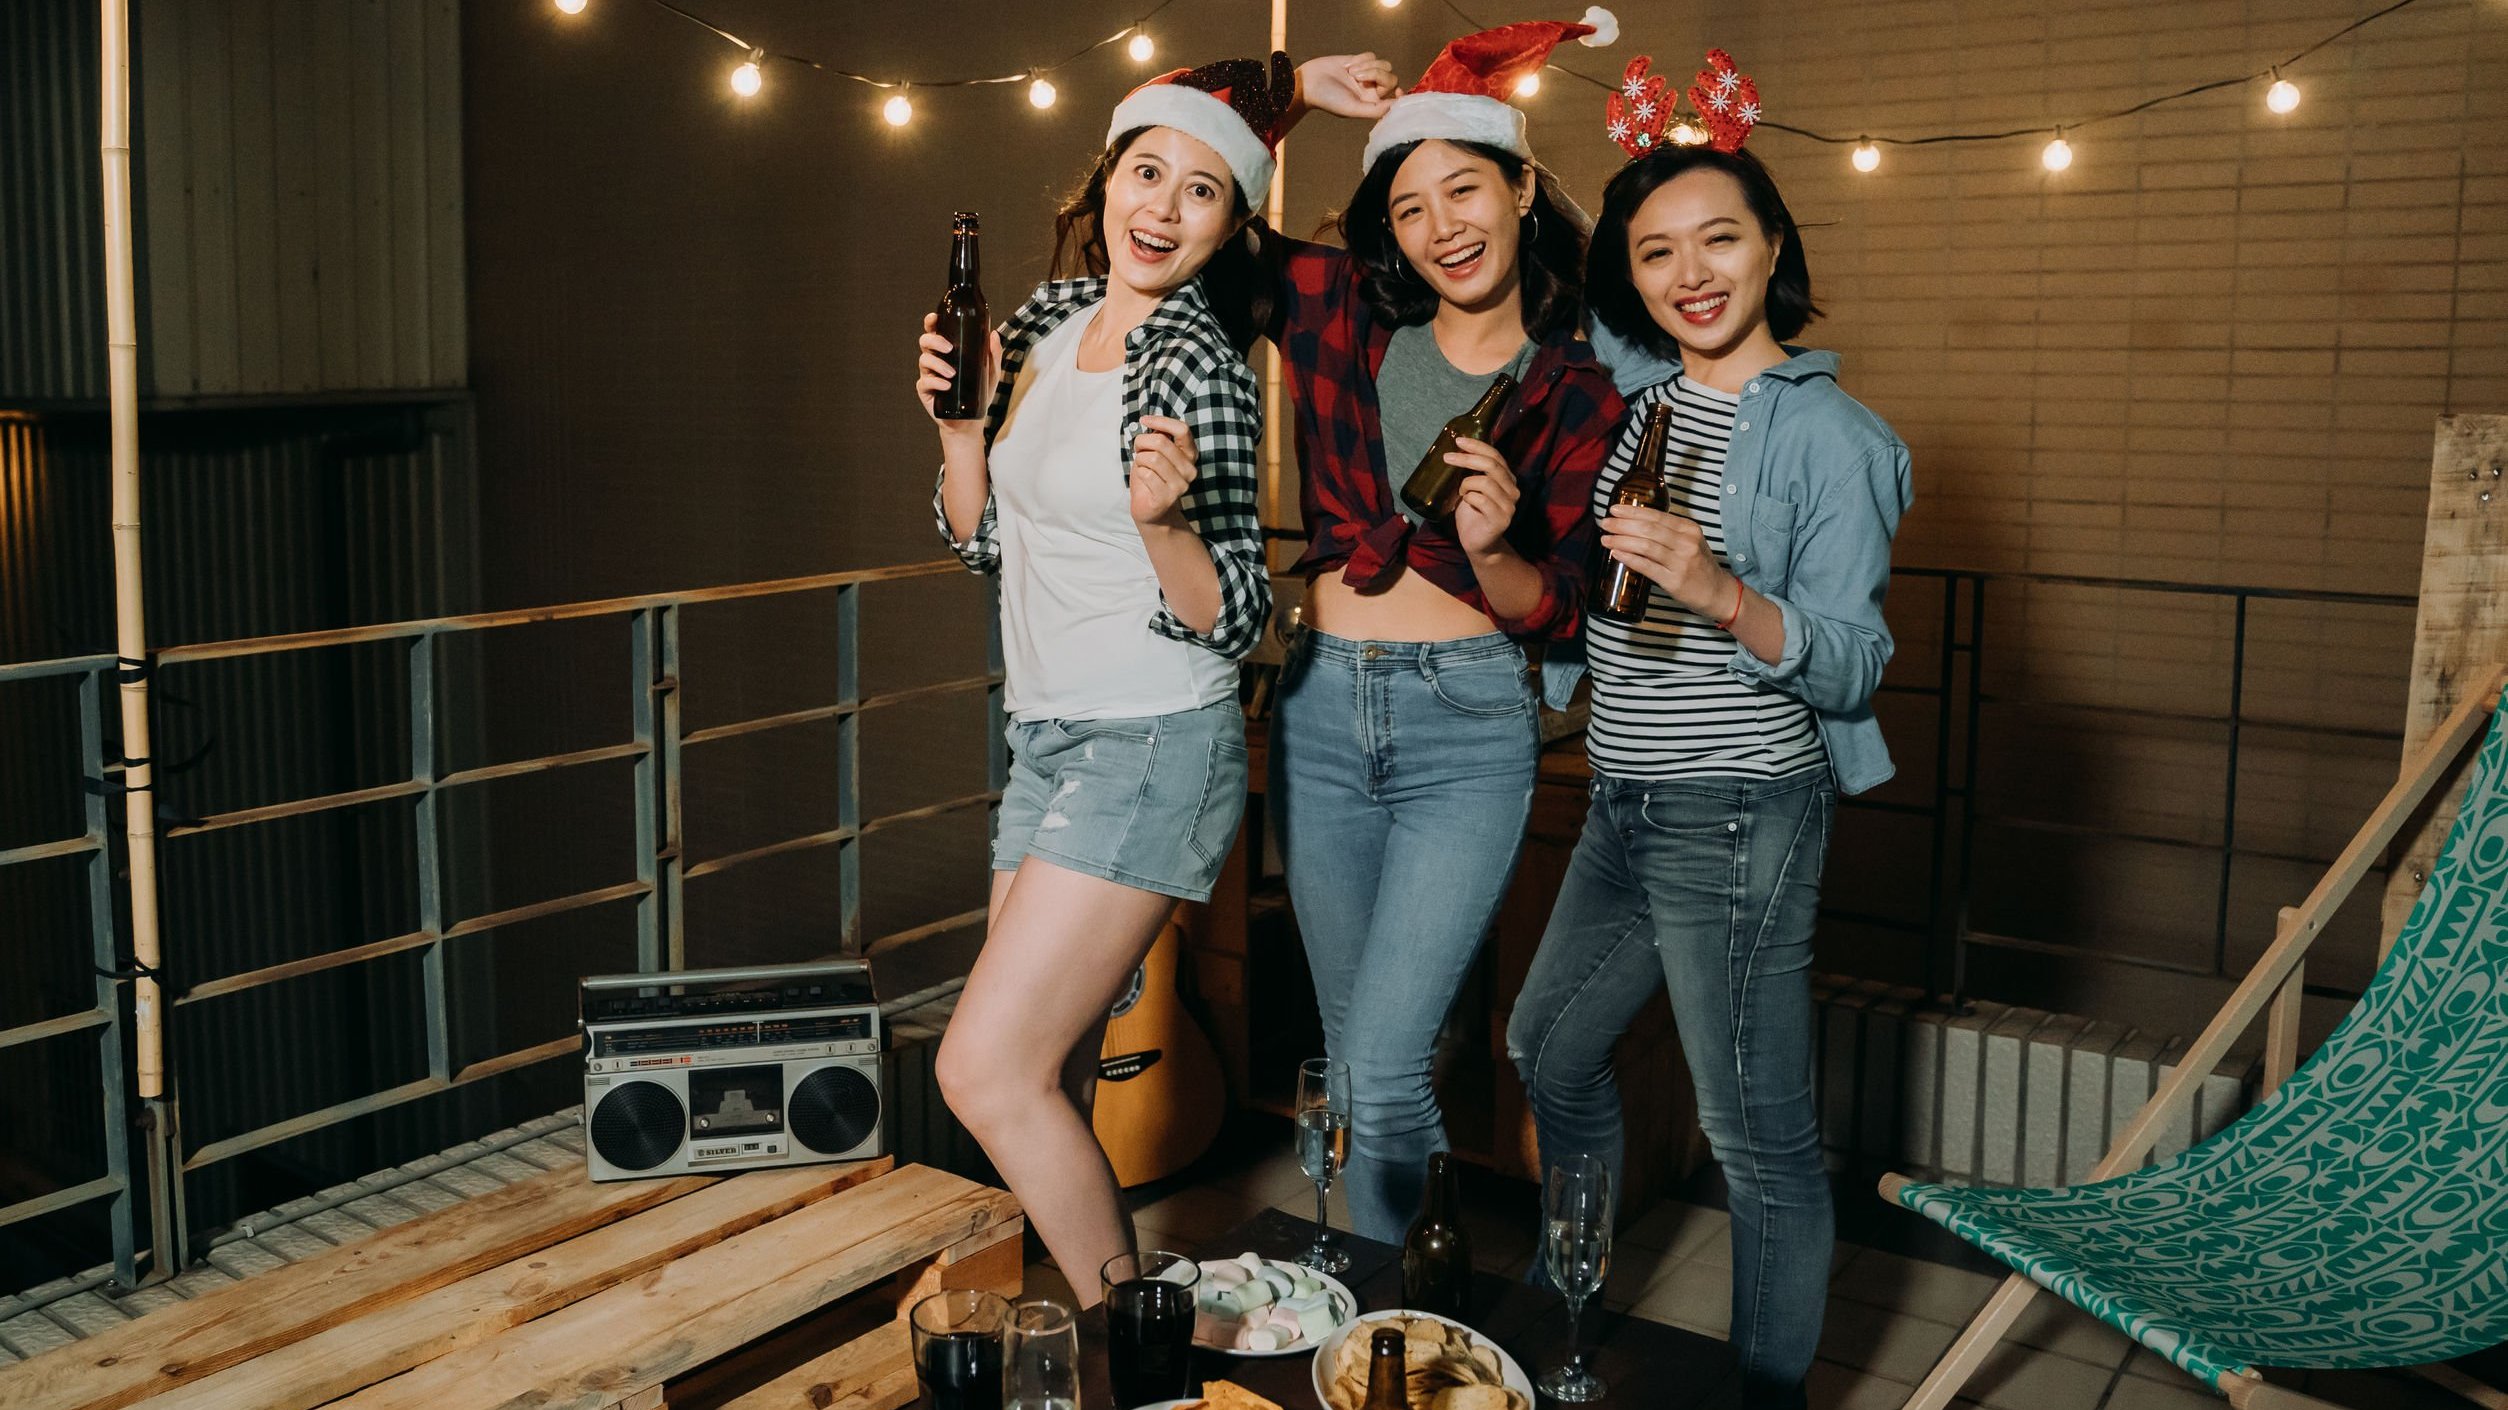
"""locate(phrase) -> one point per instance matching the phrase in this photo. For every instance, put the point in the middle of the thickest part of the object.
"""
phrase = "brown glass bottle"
(1436, 484)
(1437, 1253)
(962, 320)
(1388, 1372)
(1619, 590)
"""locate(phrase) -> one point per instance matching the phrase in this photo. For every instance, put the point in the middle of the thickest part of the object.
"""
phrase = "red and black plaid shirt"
(1555, 434)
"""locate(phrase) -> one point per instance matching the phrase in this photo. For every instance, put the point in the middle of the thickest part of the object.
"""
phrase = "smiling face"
(1701, 263)
(1169, 203)
(1458, 220)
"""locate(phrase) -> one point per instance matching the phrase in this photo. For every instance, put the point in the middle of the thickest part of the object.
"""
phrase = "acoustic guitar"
(1160, 1096)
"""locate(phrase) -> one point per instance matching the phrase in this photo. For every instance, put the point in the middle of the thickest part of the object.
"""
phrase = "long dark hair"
(1546, 260)
(1236, 285)
(1614, 294)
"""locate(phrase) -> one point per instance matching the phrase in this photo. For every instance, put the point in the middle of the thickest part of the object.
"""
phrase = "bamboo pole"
(130, 619)
(1276, 502)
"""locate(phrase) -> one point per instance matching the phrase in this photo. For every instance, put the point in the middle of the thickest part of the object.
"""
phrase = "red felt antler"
(1727, 101)
(1636, 115)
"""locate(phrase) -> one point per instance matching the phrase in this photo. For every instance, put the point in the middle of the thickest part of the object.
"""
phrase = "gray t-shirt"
(1418, 392)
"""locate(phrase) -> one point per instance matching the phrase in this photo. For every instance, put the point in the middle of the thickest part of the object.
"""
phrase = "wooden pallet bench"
(767, 1290)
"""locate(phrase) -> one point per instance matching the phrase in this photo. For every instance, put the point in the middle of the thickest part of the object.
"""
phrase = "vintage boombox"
(730, 1069)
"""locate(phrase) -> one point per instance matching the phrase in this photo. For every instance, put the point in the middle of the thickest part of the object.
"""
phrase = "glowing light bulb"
(2058, 155)
(1867, 157)
(1528, 85)
(571, 7)
(1041, 93)
(746, 80)
(898, 111)
(1140, 48)
(1389, 4)
(2282, 96)
(1685, 135)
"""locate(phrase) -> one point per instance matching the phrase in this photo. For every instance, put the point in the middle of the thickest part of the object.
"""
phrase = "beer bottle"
(1437, 1253)
(1436, 484)
(1388, 1372)
(1619, 590)
(961, 319)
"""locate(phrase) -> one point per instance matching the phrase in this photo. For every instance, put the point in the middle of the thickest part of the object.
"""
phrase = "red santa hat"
(1463, 96)
(1235, 105)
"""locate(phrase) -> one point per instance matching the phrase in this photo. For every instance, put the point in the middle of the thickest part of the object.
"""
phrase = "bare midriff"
(1410, 608)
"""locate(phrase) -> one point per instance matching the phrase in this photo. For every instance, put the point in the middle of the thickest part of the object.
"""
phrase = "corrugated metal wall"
(298, 178)
(300, 165)
(51, 271)
(307, 454)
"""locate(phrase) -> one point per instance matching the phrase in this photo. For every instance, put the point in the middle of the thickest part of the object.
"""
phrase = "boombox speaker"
(730, 1069)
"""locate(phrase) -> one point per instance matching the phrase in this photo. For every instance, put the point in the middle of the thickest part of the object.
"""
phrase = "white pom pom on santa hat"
(1606, 27)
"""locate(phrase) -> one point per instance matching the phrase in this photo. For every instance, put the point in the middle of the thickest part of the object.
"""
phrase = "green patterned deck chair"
(2358, 1216)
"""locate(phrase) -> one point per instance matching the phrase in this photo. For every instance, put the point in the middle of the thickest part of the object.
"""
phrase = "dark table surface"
(1644, 1363)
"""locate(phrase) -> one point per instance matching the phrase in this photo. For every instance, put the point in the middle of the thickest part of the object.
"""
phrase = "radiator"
(1996, 1095)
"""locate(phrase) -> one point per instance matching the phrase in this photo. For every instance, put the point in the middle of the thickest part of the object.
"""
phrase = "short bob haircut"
(1545, 263)
(1613, 293)
(1235, 283)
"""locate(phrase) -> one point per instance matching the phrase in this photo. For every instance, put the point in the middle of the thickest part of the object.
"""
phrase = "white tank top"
(1077, 589)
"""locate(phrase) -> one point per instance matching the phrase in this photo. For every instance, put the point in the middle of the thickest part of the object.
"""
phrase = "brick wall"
(2209, 352)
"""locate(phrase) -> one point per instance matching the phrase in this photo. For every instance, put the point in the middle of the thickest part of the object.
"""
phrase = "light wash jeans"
(1711, 885)
(1402, 775)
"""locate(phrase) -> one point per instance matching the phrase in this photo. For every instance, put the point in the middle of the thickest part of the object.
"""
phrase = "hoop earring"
(1535, 233)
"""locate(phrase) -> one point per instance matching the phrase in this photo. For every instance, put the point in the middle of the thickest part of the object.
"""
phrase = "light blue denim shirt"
(1814, 486)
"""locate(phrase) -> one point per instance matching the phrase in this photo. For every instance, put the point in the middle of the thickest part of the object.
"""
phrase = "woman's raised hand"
(1164, 464)
(1348, 85)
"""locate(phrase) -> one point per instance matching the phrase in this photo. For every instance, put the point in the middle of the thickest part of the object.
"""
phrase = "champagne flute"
(1042, 1348)
(1323, 1148)
(1576, 1248)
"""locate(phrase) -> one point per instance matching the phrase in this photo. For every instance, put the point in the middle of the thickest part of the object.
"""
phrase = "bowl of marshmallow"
(1256, 1306)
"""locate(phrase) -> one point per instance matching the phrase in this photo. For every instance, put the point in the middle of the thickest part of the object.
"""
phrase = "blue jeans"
(1713, 884)
(1402, 775)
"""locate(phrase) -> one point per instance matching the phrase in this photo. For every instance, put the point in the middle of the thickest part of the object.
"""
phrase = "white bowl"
(1333, 1289)
(1326, 1354)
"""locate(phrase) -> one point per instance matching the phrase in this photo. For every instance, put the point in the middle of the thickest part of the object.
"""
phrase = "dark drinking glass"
(958, 1348)
(1149, 1326)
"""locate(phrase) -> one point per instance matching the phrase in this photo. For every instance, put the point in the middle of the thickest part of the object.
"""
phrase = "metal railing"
(656, 744)
(1954, 819)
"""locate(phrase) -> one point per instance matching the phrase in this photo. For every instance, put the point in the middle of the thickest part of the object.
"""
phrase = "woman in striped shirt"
(1724, 722)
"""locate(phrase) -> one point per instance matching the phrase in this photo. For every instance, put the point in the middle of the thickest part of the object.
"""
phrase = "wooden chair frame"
(2272, 991)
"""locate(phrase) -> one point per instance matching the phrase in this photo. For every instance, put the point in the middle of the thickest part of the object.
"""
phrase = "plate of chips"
(1256, 1306)
(1451, 1366)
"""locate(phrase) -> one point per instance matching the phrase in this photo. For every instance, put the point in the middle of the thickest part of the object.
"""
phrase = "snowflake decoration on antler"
(1727, 101)
(1635, 116)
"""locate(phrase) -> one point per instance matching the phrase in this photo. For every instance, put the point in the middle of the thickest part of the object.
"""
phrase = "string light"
(1140, 48)
(746, 80)
(1528, 85)
(571, 7)
(1041, 92)
(2282, 97)
(1685, 135)
(897, 110)
(1389, 4)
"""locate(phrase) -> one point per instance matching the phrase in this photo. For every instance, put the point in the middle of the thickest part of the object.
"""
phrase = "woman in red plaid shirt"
(1404, 743)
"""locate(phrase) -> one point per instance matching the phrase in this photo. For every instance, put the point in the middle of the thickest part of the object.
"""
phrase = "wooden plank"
(874, 1371)
(2281, 1022)
(2463, 619)
(686, 1313)
(855, 1352)
(288, 1304)
(347, 1358)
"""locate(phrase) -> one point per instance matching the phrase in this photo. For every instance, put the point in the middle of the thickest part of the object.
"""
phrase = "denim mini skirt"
(1151, 802)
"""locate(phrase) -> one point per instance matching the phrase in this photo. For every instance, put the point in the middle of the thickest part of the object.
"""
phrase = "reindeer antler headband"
(1642, 115)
